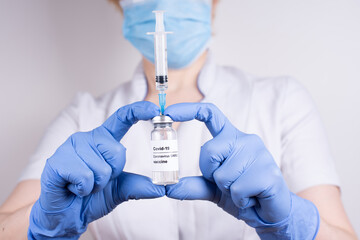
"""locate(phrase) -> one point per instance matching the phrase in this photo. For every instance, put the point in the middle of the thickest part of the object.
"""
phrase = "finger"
(247, 185)
(111, 150)
(213, 153)
(208, 113)
(121, 121)
(244, 202)
(264, 182)
(248, 149)
(59, 178)
(193, 188)
(250, 216)
(84, 147)
(66, 169)
(134, 186)
(243, 195)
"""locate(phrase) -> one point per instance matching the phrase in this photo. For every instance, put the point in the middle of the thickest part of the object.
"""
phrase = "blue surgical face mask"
(189, 20)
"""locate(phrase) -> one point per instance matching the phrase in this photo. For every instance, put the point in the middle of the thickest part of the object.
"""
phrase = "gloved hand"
(84, 181)
(241, 177)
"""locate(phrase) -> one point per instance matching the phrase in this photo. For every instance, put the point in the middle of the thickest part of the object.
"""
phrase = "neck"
(179, 79)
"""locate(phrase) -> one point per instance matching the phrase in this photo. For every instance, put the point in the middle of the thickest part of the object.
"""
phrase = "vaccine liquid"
(164, 147)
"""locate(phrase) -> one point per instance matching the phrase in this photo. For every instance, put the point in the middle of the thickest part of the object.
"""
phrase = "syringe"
(161, 67)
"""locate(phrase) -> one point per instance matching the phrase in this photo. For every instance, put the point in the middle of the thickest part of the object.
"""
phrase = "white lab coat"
(278, 109)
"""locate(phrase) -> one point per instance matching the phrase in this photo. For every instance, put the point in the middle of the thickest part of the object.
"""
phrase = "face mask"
(189, 20)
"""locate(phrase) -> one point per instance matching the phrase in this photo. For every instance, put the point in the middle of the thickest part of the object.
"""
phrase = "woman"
(84, 178)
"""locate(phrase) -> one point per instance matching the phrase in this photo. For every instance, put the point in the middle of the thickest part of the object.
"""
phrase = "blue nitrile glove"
(241, 177)
(84, 181)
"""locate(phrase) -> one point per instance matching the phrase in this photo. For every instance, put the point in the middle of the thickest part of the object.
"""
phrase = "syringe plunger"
(161, 68)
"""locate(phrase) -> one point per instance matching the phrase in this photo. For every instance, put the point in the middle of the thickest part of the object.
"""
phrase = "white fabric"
(279, 110)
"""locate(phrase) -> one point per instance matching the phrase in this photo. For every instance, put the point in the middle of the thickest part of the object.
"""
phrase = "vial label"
(165, 155)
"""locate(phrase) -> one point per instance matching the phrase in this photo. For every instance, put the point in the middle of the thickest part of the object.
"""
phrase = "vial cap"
(162, 119)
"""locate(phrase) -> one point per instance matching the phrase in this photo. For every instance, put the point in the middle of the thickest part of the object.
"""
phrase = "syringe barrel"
(160, 47)
(161, 67)
(161, 61)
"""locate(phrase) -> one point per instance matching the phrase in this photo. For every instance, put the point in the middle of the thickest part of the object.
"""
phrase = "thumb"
(134, 186)
(194, 188)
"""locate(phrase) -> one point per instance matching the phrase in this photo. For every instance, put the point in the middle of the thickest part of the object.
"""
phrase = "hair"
(116, 3)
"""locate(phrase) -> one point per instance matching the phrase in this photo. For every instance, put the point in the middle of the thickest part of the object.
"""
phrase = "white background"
(49, 50)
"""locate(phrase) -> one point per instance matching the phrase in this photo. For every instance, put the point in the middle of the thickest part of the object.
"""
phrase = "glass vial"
(164, 149)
